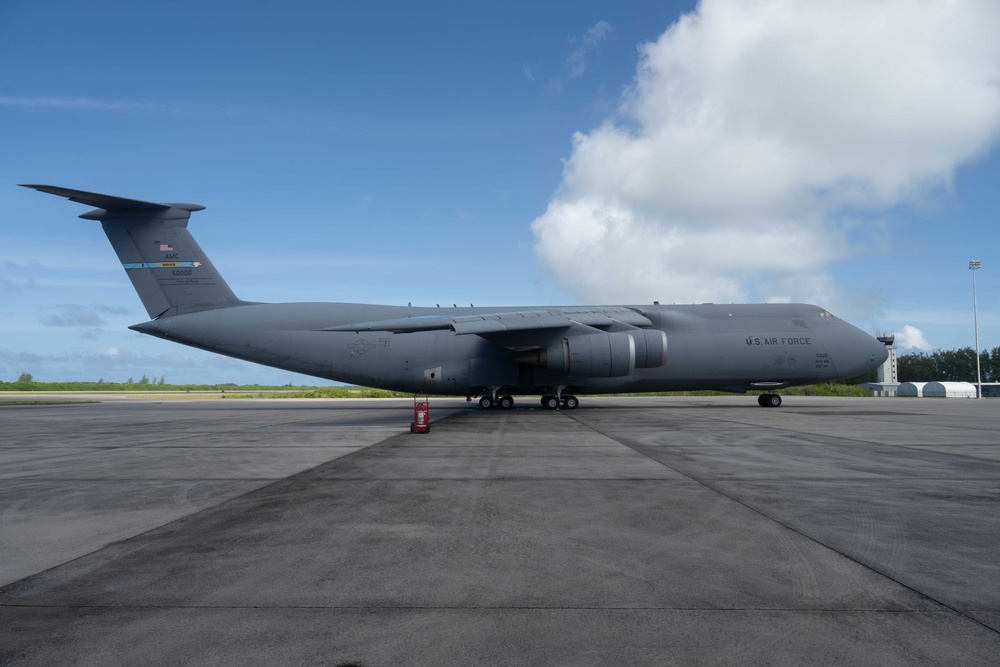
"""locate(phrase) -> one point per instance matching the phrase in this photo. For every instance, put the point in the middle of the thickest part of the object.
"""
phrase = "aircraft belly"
(493, 372)
(432, 362)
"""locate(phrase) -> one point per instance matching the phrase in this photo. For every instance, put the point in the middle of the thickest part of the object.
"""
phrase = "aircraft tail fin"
(167, 267)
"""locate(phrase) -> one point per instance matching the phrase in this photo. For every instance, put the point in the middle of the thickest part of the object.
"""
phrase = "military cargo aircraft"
(495, 353)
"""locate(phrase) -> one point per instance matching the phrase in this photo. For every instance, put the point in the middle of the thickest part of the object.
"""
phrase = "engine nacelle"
(595, 355)
(614, 354)
(650, 348)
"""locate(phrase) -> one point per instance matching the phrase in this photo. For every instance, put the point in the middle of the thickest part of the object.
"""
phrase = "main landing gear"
(553, 402)
(505, 402)
(769, 401)
(494, 400)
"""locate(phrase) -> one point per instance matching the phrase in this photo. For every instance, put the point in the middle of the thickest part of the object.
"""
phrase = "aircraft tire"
(772, 401)
(506, 402)
(550, 402)
(486, 403)
(571, 402)
(760, 400)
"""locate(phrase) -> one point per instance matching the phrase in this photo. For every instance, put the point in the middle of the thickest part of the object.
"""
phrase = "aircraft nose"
(859, 353)
(879, 352)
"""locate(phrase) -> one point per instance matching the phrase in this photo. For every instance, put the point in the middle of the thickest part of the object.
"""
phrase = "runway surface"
(643, 531)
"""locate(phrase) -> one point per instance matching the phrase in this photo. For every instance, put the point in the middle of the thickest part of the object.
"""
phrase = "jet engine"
(650, 348)
(596, 355)
(614, 354)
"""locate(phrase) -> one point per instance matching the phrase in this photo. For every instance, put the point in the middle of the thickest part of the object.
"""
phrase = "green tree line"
(949, 365)
(26, 382)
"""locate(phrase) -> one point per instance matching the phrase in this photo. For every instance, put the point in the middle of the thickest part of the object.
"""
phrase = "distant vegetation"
(948, 365)
(25, 383)
(230, 390)
(326, 392)
(940, 365)
(826, 389)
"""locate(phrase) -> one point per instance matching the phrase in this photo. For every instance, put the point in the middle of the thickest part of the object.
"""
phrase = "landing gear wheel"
(769, 401)
(486, 403)
(571, 402)
(550, 402)
(506, 402)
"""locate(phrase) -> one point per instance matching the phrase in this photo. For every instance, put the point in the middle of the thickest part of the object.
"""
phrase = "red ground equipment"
(421, 415)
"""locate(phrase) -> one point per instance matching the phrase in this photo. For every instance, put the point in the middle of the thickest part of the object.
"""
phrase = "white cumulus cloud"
(913, 338)
(756, 138)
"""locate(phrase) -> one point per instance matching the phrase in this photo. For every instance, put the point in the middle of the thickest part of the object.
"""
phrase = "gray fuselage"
(554, 351)
(724, 347)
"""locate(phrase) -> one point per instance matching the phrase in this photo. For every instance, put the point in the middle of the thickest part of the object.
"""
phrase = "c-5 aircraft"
(495, 353)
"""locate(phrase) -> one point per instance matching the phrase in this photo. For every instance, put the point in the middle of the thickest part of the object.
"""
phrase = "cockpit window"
(825, 313)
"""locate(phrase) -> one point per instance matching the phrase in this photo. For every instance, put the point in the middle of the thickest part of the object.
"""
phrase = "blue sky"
(515, 153)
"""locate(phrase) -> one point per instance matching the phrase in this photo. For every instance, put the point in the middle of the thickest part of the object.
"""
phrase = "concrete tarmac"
(633, 531)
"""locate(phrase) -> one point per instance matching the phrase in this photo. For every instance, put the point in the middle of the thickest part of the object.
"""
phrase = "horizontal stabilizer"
(109, 202)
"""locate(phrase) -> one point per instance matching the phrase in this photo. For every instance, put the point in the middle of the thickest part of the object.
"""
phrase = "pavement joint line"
(921, 447)
(104, 480)
(333, 445)
(492, 478)
(755, 610)
(265, 484)
(155, 444)
(352, 427)
(638, 448)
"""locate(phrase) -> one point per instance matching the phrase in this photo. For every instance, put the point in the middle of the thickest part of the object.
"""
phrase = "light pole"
(974, 266)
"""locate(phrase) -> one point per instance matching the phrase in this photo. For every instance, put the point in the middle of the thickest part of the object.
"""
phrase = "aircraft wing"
(504, 321)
